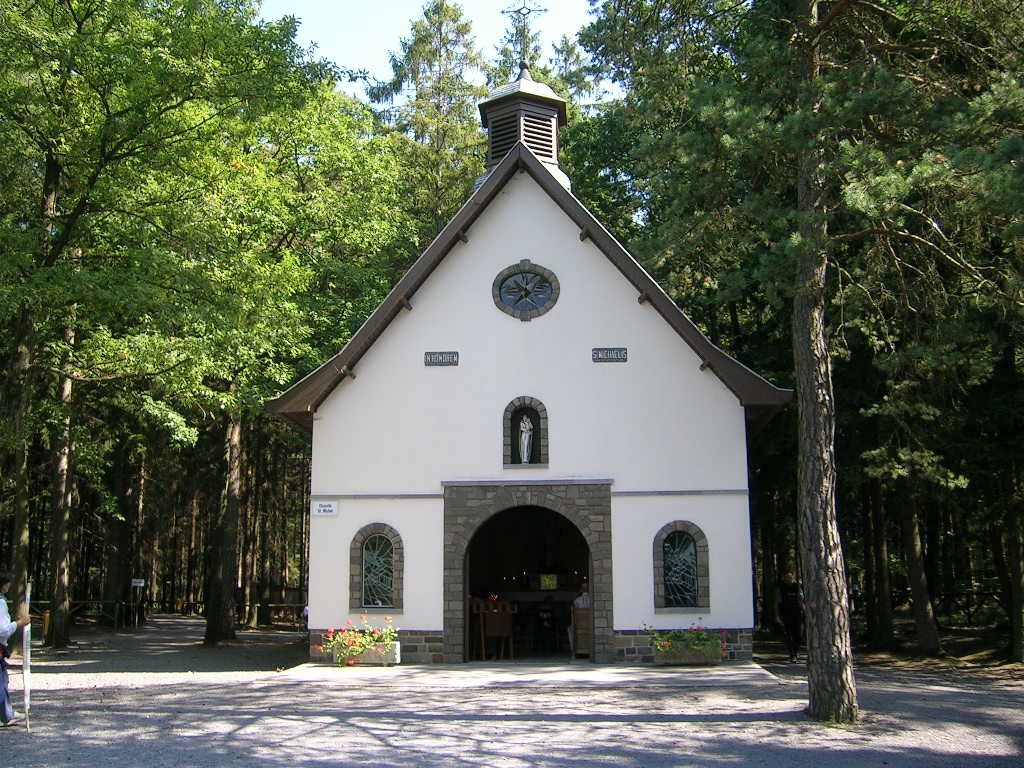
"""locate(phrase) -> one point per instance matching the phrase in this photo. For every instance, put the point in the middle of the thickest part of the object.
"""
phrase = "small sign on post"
(136, 602)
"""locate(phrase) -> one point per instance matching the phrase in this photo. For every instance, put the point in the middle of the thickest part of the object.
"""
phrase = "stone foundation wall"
(633, 646)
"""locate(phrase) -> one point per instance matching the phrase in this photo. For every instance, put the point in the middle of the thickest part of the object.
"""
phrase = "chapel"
(528, 451)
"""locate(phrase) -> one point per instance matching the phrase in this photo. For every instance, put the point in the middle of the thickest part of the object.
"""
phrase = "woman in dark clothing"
(790, 610)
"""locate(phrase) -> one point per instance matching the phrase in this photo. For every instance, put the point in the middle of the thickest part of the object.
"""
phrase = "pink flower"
(350, 662)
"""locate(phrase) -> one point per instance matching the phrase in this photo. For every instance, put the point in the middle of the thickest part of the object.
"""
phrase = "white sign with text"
(325, 508)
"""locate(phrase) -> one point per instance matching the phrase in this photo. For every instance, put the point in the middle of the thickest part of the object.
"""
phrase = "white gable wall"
(655, 425)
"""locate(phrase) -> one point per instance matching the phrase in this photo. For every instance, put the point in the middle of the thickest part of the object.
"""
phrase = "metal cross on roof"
(520, 15)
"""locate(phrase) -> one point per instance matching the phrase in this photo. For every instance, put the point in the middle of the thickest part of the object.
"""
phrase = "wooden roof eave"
(300, 401)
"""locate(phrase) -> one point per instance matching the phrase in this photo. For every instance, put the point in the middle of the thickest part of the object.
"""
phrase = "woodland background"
(192, 218)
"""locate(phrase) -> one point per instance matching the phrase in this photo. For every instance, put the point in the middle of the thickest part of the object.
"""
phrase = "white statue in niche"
(525, 439)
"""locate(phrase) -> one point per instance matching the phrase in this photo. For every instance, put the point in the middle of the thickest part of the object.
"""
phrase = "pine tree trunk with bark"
(832, 691)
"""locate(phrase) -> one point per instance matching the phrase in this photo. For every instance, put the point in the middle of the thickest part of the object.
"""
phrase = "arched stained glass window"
(378, 571)
(680, 562)
(681, 568)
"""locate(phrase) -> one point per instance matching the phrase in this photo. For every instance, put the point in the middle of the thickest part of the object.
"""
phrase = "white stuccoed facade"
(421, 452)
(654, 425)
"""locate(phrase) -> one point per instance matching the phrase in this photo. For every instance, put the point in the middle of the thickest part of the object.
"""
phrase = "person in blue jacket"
(7, 628)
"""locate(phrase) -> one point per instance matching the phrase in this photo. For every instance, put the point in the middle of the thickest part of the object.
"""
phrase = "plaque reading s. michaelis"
(440, 358)
(608, 354)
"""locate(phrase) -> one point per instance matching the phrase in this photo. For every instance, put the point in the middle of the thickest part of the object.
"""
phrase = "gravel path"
(157, 698)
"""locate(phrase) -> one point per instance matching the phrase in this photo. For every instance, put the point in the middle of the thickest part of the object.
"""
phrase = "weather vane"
(520, 15)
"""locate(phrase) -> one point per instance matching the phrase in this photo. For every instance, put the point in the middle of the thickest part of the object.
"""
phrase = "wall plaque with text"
(608, 354)
(325, 509)
(440, 358)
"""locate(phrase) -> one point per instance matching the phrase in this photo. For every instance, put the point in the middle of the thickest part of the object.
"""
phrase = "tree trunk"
(924, 616)
(1015, 569)
(118, 539)
(950, 537)
(222, 568)
(832, 691)
(19, 399)
(60, 605)
(1000, 561)
(769, 577)
(191, 588)
(882, 639)
(933, 546)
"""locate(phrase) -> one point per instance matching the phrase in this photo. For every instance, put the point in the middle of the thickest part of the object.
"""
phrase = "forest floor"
(975, 652)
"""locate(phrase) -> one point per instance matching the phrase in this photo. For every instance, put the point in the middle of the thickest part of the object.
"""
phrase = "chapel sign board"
(608, 354)
(440, 358)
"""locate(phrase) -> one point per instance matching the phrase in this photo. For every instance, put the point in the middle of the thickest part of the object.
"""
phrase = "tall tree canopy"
(434, 99)
(795, 150)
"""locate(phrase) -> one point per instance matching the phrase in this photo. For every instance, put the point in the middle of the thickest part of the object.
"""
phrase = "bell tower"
(526, 111)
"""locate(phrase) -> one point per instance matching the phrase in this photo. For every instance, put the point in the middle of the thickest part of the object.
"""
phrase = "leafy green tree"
(94, 97)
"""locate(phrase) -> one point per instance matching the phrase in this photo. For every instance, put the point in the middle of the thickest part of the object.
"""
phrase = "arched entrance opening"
(469, 504)
(531, 563)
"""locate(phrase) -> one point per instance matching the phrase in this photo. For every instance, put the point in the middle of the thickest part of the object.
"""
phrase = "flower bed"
(695, 645)
(365, 644)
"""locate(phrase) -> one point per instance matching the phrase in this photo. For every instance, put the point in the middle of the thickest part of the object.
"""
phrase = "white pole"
(26, 658)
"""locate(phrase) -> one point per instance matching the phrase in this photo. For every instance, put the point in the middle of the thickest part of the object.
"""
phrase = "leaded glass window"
(680, 558)
(378, 571)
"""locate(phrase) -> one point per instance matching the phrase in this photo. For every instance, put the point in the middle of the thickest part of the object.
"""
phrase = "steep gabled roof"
(759, 397)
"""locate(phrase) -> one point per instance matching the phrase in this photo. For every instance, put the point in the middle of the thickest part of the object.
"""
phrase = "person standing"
(7, 628)
(790, 610)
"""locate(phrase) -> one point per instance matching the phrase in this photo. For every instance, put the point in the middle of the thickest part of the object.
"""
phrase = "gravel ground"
(157, 698)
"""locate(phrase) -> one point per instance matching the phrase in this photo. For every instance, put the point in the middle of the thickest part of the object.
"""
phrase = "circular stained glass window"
(525, 290)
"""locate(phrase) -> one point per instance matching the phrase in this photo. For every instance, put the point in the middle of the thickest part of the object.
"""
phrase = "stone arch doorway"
(575, 509)
(532, 560)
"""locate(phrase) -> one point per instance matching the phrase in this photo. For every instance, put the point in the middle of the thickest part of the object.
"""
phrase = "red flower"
(349, 622)
(350, 662)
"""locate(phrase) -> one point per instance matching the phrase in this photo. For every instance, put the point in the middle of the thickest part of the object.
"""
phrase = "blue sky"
(359, 34)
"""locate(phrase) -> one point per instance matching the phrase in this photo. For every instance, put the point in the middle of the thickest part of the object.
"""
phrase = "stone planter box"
(372, 657)
(691, 657)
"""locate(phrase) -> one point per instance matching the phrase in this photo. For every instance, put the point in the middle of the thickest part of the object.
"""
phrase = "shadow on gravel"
(277, 719)
(171, 644)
